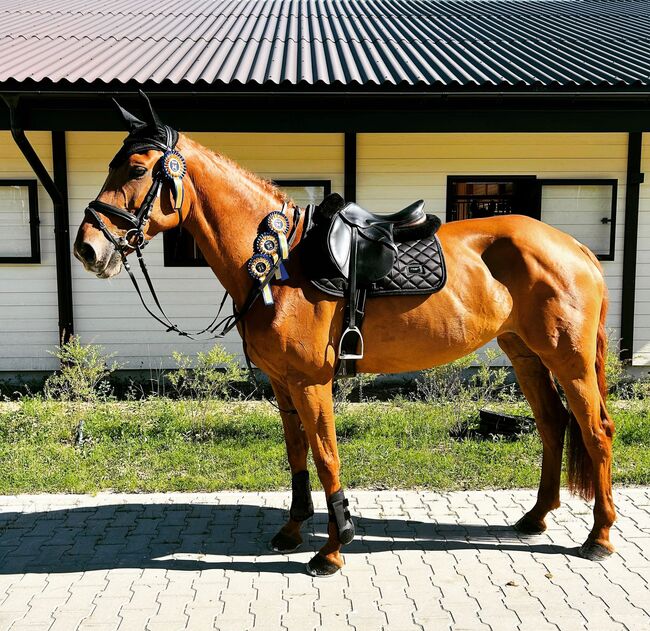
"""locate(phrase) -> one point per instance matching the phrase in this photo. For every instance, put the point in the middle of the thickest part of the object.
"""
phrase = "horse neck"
(224, 219)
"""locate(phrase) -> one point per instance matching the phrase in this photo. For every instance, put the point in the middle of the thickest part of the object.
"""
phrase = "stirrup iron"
(350, 340)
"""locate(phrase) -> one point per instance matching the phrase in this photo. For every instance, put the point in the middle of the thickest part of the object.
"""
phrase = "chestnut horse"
(538, 291)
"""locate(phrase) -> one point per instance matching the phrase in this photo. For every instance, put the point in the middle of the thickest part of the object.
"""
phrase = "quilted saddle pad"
(419, 269)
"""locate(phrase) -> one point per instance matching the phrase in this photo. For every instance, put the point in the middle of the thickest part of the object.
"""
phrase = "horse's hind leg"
(590, 452)
(289, 538)
(551, 418)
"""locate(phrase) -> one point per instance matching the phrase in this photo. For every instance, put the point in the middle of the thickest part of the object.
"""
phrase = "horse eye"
(137, 172)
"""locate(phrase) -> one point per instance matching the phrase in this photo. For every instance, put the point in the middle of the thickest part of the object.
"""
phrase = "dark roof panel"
(434, 43)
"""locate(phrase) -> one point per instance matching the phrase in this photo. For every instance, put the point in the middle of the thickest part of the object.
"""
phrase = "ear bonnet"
(144, 135)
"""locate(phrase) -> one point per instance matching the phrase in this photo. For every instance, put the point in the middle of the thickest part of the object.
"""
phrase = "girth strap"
(337, 508)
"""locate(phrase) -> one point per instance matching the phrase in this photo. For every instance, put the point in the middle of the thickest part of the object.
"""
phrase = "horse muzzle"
(97, 255)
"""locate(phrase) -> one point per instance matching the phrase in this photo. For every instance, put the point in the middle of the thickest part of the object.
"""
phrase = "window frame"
(170, 261)
(34, 257)
(451, 179)
(613, 182)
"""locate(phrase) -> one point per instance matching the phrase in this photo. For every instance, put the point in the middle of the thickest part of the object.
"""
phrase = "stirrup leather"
(351, 343)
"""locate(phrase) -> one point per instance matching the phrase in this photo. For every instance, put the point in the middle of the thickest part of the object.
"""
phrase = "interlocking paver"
(422, 560)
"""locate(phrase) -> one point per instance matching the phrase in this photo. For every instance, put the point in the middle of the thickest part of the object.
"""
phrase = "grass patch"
(165, 445)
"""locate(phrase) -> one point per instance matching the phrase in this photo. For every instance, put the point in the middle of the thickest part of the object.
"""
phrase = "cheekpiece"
(174, 168)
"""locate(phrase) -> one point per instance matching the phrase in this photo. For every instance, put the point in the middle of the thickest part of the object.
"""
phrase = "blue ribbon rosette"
(259, 267)
(268, 243)
(174, 168)
(278, 224)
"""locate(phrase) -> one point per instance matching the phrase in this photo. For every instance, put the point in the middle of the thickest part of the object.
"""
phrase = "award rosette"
(259, 266)
(278, 224)
(268, 243)
(174, 168)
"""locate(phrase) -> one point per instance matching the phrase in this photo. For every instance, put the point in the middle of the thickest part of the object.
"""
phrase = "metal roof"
(425, 44)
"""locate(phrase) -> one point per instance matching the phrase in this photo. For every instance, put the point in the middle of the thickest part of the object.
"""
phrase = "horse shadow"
(215, 536)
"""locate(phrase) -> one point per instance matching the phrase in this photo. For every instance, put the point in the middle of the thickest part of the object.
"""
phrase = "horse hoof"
(321, 566)
(593, 551)
(528, 526)
(284, 543)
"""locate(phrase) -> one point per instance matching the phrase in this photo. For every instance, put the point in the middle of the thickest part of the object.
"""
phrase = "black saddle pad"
(419, 269)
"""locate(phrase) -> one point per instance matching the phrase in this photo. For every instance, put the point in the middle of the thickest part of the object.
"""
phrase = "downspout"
(631, 244)
(57, 190)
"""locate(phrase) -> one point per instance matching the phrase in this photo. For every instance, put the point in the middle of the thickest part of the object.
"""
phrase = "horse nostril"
(87, 252)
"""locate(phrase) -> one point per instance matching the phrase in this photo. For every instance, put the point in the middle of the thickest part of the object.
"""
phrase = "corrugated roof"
(436, 43)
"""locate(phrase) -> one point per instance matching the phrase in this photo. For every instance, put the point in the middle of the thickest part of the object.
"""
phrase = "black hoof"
(284, 543)
(527, 526)
(320, 566)
(593, 551)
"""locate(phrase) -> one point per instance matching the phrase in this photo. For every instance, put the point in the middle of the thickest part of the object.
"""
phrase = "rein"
(171, 166)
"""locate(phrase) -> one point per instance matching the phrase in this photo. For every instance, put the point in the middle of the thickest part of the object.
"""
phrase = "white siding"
(109, 312)
(641, 355)
(395, 169)
(28, 301)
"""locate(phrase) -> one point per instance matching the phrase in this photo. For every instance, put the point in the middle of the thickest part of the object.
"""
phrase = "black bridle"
(134, 240)
(140, 218)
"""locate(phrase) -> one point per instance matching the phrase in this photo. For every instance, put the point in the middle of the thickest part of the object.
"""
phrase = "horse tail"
(580, 471)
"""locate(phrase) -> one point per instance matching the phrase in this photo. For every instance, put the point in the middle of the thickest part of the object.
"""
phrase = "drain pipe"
(57, 189)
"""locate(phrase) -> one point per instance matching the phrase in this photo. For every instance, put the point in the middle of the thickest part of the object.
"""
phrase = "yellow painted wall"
(395, 169)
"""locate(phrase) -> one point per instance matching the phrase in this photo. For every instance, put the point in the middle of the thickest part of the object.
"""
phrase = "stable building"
(480, 108)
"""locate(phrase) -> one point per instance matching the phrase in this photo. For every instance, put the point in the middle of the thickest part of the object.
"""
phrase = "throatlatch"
(302, 507)
(337, 507)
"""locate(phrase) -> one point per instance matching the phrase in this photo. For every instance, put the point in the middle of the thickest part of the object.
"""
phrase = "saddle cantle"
(352, 252)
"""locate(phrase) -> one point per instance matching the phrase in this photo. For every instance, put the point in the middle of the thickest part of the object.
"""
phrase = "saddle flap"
(376, 251)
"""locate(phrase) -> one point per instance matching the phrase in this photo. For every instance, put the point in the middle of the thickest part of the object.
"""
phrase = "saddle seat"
(411, 215)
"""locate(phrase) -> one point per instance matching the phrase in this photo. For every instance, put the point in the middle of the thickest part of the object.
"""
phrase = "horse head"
(145, 193)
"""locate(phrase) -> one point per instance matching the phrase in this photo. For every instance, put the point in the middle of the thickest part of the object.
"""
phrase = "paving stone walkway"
(422, 560)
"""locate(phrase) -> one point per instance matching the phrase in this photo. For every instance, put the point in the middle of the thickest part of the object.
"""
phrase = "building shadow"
(195, 536)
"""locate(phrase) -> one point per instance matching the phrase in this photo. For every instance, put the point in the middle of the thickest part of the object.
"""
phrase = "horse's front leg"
(289, 538)
(316, 409)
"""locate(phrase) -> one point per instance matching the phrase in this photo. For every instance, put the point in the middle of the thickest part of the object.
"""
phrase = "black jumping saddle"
(354, 253)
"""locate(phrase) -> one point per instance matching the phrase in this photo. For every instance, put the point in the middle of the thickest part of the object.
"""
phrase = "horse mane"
(219, 160)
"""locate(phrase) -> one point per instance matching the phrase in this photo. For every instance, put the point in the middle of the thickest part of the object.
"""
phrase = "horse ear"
(133, 122)
(153, 117)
